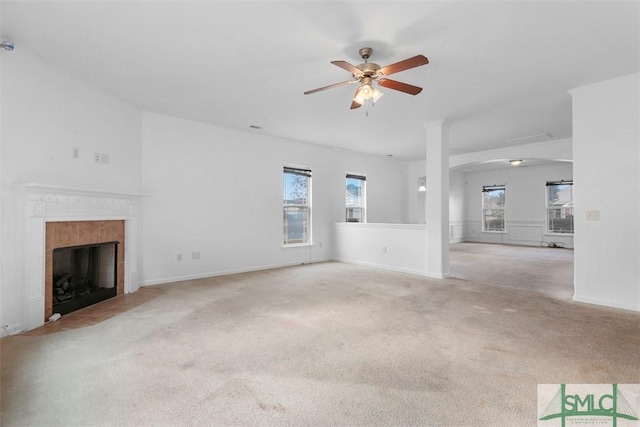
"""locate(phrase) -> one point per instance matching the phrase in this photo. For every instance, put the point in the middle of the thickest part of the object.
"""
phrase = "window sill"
(559, 234)
(495, 232)
(297, 245)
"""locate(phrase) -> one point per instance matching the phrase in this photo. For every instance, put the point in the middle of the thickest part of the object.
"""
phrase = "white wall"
(397, 247)
(2, 220)
(218, 192)
(525, 204)
(456, 206)
(607, 171)
(45, 113)
(417, 200)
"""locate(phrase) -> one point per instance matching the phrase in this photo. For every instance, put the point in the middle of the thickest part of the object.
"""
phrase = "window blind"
(297, 171)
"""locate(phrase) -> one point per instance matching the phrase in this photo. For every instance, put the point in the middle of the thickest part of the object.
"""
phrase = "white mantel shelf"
(74, 191)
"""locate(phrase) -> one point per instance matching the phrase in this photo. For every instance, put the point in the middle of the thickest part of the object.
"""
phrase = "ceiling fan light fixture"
(376, 95)
(515, 162)
(367, 91)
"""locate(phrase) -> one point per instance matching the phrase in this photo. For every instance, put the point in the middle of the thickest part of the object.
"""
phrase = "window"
(560, 207)
(355, 198)
(493, 198)
(296, 203)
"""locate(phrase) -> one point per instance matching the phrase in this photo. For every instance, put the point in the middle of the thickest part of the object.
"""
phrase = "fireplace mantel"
(49, 203)
(73, 191)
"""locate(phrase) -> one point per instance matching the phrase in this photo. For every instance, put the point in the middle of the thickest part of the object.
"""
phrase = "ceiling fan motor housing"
(365, 52)
(369, 69)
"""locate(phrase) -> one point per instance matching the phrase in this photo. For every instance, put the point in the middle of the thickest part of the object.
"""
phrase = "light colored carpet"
(544, 270)
(323, 344)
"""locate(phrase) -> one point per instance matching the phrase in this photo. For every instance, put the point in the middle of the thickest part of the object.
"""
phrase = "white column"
(34, 273)
(437, 203)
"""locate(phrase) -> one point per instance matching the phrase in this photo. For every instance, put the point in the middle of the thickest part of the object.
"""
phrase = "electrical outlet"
(593, 215)
(195, 255)
(96, 157)
(384, 249)
(319, 244)
(75, 153)
(104, 158)
(179, 257)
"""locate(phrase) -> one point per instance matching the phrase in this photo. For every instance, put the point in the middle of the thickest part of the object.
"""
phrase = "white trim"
(227, 272)
(606, 303)
(381, 225)
(58, 189)
(382, 266)
(48, 203)
(296, 245)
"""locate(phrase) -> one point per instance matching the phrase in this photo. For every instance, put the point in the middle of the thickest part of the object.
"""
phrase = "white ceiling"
(498, 70)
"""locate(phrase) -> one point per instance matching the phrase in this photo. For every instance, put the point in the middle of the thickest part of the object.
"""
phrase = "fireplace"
(84, 275)
(84, 264)
(58, 217)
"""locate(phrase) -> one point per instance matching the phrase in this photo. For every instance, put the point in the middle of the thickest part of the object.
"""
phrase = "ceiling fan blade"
(309, 92)
(355, 104)
(350, 68)
(413, 62)
(402, 87)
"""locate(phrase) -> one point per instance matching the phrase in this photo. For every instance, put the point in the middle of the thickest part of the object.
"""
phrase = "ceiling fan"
(368, 72)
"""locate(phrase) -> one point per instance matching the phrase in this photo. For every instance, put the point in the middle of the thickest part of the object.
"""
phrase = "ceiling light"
(515, 162)
(367, 91)
(422, 184)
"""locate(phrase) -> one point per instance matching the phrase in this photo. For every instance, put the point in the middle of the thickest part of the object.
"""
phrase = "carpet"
(320, 344)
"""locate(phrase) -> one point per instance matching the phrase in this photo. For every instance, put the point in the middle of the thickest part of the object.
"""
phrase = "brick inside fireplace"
(75, 233)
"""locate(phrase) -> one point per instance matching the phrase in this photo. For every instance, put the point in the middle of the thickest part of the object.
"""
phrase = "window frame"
(548, 230)
(487, 189)
(307, 228)
(363, 198)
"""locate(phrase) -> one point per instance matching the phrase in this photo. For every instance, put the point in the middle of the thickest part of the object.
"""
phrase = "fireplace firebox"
(84, 275)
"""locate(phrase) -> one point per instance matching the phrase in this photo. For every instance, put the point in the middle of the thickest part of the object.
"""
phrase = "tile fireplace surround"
(93, 211)
(75, 233)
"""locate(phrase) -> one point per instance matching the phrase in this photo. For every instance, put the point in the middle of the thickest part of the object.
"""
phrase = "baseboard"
(381, 266)
(438, 276)
(606, 303)
(226, 272)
